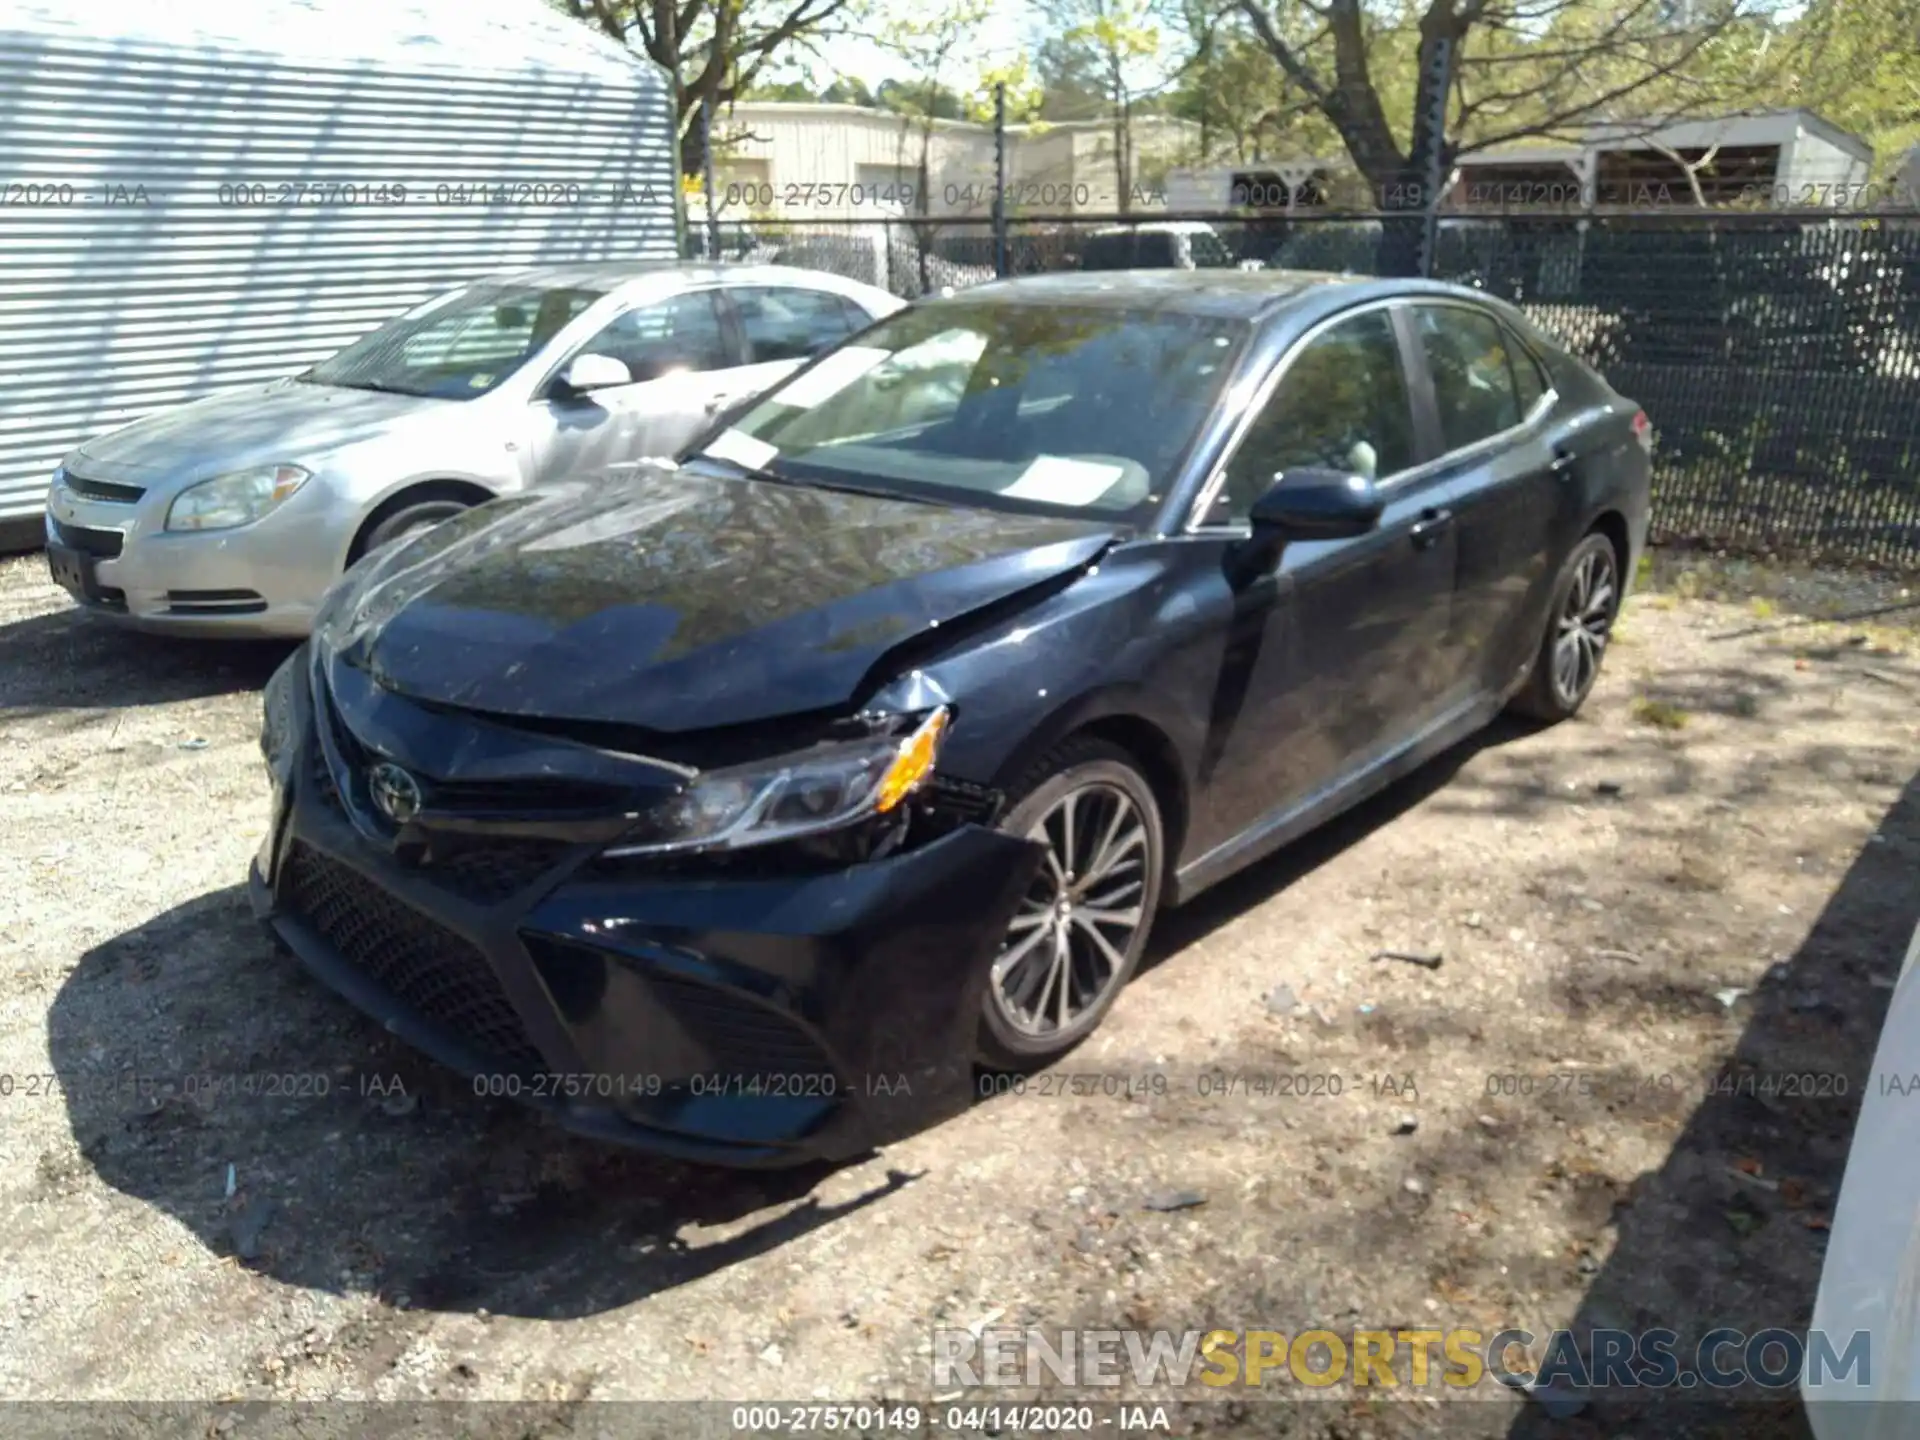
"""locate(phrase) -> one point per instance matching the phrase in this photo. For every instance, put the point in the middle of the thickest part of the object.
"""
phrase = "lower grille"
(215, 602)
(489, 873)
(743, 1040)
(101, 544)
(418, 962)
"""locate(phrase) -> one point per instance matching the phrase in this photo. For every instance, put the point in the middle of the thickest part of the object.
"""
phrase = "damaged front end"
(774, 955)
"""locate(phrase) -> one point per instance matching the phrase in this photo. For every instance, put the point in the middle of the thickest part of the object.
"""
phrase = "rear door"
(1487, 406)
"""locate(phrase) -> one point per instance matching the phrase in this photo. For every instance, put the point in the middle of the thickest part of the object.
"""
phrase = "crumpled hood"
(674, 601)
(281, 422)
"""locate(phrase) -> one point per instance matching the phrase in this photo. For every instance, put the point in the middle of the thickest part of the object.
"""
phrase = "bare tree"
(1491, 72)
(713, 49)
(1120, 38)
(929, 40)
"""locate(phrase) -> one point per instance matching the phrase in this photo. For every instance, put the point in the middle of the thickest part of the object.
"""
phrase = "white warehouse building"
(204, 194)
(801, 159)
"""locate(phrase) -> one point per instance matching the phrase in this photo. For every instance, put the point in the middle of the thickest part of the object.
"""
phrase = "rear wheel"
(1586, 600)
(1079, 931)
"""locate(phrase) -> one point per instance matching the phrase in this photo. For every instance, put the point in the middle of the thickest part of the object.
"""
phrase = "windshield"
(1033, 407)
(459, 345)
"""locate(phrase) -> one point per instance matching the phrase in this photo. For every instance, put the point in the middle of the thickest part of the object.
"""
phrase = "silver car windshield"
(1034, 407)
(460, 346)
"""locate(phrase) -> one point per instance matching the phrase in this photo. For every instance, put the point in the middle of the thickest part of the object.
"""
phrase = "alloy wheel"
(1585, 622)
(1067, 946)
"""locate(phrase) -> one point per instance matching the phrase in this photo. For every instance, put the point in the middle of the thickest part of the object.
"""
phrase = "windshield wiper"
(372, 385)
(842, 487)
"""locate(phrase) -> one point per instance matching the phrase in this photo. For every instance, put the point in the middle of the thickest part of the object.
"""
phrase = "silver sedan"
(231, 515)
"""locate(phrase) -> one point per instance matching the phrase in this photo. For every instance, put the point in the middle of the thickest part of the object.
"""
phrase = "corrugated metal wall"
(177, 221)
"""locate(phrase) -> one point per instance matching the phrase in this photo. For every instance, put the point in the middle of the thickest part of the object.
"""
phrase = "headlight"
(792, 795)
(228, 501)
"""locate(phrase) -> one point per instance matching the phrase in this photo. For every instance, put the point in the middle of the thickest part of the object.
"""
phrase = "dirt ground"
(1712, 872)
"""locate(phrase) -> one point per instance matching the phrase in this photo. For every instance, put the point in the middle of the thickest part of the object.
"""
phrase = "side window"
(783, 324)
(1468, 353)
(678, 334)
(1341, 405)
(1529, 380)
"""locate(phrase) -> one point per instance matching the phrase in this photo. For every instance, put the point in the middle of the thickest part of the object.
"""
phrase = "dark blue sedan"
(742, 810)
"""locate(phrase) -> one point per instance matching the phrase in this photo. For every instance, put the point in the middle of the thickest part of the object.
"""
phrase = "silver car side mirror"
(594, 372)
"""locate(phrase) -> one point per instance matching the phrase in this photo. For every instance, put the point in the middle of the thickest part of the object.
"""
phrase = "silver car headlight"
(791, 795)
(228, 501)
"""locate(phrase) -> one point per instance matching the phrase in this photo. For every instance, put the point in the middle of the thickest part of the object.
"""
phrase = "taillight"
(1643, 430)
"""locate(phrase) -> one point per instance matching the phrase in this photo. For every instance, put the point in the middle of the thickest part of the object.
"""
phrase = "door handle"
(1562, 463)
(1431, 525)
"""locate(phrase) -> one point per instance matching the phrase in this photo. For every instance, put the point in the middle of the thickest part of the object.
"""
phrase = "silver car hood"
(281, 422)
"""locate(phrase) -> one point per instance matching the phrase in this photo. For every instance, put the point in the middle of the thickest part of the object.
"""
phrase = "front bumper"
(261, 580)
(751, 1022)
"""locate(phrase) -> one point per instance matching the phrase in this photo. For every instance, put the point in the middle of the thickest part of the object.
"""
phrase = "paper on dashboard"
(741, 449)
(1055, 480)
(831, 376)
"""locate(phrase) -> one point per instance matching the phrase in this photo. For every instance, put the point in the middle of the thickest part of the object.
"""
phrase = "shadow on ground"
(68, 660)
(1774, 1111)
(358, 1165)
(456, 1202)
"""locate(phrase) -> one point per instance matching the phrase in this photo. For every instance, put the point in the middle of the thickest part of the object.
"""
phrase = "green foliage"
(1858, 64)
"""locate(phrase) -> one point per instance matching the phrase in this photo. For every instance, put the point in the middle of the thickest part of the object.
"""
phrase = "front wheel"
(1077, 936)
(410, 520)
(1586, 600)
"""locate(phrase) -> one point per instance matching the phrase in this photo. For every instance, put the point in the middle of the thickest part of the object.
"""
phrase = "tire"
(1100, 786)
(406, 520)
(1586, 600)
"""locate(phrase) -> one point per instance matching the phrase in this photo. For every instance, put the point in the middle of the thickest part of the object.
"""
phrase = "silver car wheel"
(1066, 948)
(1584, 623)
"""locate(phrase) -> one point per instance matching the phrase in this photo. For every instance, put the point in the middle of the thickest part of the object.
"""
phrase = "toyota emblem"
(394, 792)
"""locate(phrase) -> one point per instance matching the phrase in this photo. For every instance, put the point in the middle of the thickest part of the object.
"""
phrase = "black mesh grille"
(486, 874)
(418, 962)
(743, 1040)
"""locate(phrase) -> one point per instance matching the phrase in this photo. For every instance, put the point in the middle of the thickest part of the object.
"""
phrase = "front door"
(784, 326)
(683, 363)
(1339, 656)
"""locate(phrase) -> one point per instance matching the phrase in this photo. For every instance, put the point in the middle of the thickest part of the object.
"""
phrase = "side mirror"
(1315, 504)
(594, 372)
(1308, 504)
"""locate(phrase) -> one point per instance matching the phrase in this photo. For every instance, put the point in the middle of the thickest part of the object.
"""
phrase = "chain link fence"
(1777, 354)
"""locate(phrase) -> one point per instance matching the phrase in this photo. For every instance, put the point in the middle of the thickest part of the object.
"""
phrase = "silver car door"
(675, 350)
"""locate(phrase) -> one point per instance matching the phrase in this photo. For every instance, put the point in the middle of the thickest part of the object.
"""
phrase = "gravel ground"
(1712, 871)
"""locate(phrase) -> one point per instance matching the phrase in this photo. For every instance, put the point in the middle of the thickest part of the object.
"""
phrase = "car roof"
(1254, 295)
(611, 275)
